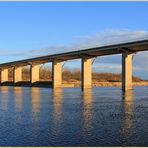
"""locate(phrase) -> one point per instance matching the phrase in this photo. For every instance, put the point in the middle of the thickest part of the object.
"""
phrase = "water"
(68, 117)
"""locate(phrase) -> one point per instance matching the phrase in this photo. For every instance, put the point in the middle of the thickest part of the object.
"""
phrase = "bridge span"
(126, 49)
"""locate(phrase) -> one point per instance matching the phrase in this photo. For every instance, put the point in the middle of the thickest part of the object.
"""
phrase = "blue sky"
(29, 29)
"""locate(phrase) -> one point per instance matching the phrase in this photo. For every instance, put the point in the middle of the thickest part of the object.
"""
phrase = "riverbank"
(70, 84)
(103, 84)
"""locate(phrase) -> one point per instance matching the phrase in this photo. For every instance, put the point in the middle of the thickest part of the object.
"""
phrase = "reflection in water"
(18, 96)
(57, 110)
(4, 89)
(57, 104)
(35, 102)
(87, 108)
(35, 99)
(4, 100)
(127, 113)
(69, 117)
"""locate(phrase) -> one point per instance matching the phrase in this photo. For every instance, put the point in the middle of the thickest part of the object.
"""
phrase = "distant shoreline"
(69, 84)
(103, 84)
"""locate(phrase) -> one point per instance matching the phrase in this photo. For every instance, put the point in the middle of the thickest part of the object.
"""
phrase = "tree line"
(73, 75)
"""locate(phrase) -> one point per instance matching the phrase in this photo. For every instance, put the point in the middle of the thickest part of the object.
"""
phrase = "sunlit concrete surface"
(86, 73)
(56, 74)
(17, 74)
(4, 75)
(126, 71)
(34, 76)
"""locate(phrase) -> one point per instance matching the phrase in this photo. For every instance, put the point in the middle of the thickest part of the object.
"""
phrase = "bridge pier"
(56, 74)
(35, 73)
(4, 75)
(126, 71)
(86, 73)
(17, 74)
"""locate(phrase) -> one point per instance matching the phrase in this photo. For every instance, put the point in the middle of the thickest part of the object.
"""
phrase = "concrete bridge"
(126, 49)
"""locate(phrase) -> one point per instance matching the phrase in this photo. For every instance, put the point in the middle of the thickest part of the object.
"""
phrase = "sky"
(30, 29)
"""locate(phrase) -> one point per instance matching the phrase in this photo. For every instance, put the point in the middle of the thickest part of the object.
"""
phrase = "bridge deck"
(135, 46)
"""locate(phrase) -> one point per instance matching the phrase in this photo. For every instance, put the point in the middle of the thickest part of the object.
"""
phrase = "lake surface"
(68, 117)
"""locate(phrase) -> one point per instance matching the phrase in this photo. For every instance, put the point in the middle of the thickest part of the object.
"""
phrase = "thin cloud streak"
(103, 38)
(106, 37)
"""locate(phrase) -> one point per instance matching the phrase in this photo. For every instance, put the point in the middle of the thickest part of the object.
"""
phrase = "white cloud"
(106, 37)
(112, 36)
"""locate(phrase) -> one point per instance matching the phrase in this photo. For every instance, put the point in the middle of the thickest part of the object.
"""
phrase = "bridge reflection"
(4, 99)
(18, 95)
(57, 99)
(87, 109)
(35, 99)
(127, 114)
(35, 102)
(57, 104)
